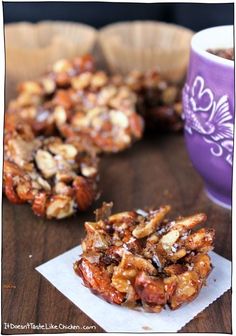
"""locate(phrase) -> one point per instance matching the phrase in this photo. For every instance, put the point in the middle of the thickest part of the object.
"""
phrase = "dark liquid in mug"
(227, 53)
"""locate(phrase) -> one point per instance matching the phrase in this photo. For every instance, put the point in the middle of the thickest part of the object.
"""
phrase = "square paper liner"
(112, 318)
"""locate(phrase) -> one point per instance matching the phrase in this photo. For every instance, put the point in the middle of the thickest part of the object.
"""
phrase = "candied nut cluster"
(142, 259)
(56, 177)
(75, 100)
(54, 130)
(159, 101)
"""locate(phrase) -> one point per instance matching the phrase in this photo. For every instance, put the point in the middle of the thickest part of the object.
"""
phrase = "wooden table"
(154, 171)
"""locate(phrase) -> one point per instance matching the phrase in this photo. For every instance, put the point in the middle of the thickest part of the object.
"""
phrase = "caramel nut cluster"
(159, 101)
(56, 177)
(75, 100)
(54, 130)
(143, 259)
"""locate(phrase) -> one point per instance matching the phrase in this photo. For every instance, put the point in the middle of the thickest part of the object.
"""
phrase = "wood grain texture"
(154, 171)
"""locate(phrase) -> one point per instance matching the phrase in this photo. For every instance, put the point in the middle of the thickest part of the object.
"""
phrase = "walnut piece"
(46, 163)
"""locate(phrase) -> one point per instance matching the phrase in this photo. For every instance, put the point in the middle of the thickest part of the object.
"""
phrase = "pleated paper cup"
(31, 48)
(147, 45)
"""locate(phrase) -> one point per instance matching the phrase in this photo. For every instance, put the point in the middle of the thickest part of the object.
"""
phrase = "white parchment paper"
(59, 271)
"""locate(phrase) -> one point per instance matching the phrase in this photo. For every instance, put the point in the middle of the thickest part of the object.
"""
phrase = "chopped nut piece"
(188, 285)
(128, 269)
(82, 81)
(67, 151)
(146, 228)
(20, 150)
(62, 65)
(104, 212)
(119, 119)
(31, 87)
(63, 189)
(169, 95)
(99, 79)
(168, 240)
(39, 204)
(151, 290)
(84, 192)
(88, 171)
(97, 278)
(60, 207)
(200, 240)
(26, 99)
(43, 183)
(59, 115)
(46, 163)
(190, 222)
(49, 85)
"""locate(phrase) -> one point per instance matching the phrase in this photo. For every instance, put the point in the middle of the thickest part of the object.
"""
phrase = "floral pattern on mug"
(205, 115)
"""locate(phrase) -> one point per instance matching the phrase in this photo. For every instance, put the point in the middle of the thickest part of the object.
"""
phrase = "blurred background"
(193, 16)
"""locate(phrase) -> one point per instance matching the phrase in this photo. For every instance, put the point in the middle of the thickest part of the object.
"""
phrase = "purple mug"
(208, 103)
